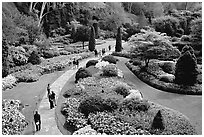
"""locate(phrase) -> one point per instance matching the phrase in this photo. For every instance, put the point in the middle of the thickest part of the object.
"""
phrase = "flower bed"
(150, 79)
(13, 122)
(31, 73)
(97, 106)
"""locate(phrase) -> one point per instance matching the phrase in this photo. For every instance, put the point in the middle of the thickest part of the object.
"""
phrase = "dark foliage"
(34, 58)
(135, 105)
(92, 41)
(110, 59)
(81, 73)
(95, 25)
(97, 104)
(5, 67)
(122, 90)
(118, 46)
(91, 63)
(158, 122)
(186, 69)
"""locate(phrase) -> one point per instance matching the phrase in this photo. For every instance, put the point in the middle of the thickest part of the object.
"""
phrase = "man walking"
(37, 121)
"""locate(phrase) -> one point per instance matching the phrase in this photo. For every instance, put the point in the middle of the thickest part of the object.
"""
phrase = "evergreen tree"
(186, 68)
(95, 25)
(92, 41)
(118, 47)
(34, 58)
(158, 122)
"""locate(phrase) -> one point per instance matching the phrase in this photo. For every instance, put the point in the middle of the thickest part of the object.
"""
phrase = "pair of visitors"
(51, 97)
(37, 121)
(75, 63)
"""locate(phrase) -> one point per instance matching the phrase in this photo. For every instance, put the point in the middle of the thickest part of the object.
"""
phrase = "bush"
(26, 76)
(34, 58)
(185, 38)
(110, 104)
(91, 105)
(110, 70)
(110, 59)
(186, 69)
(187, 48)
(167, 78)
(5, 67)
(91, 63)
(136, 62)
(168, 67)
(122, 90)
(81, 73)
(19, 59)
(50, 53)
(64, 52)
(118, 46)
(166, 24)
(196, 29)
(135, 105)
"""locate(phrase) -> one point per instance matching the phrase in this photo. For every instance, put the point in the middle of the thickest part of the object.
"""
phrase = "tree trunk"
(41, 13)
(83, 44)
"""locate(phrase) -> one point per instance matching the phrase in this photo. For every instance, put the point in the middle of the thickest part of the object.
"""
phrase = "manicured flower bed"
(13, 122)
(98, 105)
(151, 78)
(31, 73)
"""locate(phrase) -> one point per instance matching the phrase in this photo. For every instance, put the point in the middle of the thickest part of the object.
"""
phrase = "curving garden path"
(189, 105)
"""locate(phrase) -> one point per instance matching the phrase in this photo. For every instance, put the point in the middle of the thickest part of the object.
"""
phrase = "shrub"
(8, 82)
(64, 52)
(196, 29)
(50, 53)
(187, 48)
(26, 76)
(34, 58)
(168, 67)
(122, 90)
(92, 41)
(186, 69)
(166, 24)
(185, 38)
(91, 63)
(135, 105)
(81, 73)
(110, 59)
(110, 104)
(136, 62)
(19, 59)
(91, 105)
(110, 70)
(118, 46)
(158, 123)
(167, 78)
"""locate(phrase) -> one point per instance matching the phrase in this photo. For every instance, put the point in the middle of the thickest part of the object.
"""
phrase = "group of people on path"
(101, 52)
(52, 101)
(75, 63)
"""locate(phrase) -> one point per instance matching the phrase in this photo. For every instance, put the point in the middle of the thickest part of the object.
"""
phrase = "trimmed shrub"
(167, 78)
(50, 53)
(118, 46)
(95, 25)
(136, 62)
(91, 63)
(34, 58)
(110, 70)
(196, 29)
(158, 123)
(81, 73)
(97, 104)
(186, 69)
(166, 24)
(92, 41)
(122, 90)
(91, 105)
(185, 38)
(135, 105)
(110, 59)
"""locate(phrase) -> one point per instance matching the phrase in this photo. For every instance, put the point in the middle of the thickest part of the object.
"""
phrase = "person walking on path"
(109, 47)
(52, 97)
(74, 63)
(48, 90)
(37, 121)
(96, 53)
(77, 63)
